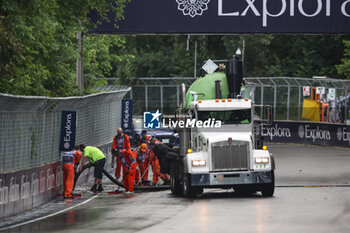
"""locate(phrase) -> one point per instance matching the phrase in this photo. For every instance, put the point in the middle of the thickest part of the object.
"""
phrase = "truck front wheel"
(268, 189)
(187, 189)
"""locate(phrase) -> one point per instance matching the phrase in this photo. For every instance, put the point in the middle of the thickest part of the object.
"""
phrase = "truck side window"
(200, 143)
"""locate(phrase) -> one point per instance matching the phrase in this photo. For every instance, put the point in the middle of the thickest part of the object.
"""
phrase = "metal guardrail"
(30, 126)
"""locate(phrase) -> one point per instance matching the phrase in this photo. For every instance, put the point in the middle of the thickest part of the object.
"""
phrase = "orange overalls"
(145, 140)
(70, 160)
(129, 169)
(155, 168)
(144, 160)
(120, 143)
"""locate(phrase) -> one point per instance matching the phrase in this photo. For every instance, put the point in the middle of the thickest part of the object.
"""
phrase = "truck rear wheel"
(268, 189)
(175, 184)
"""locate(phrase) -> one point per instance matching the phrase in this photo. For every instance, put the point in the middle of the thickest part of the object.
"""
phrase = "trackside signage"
(230, 16)
(68, 130)
(127, 115)
(306, 133)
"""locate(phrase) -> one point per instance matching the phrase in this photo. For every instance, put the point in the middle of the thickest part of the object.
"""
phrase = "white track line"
(50, 215)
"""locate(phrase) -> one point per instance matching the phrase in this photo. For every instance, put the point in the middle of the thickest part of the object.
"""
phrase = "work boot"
(99, 189)
(94, 188)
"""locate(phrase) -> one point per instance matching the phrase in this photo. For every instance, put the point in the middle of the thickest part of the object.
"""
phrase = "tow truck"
(229, 156)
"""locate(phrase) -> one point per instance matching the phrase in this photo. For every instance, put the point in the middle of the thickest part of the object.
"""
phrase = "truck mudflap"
(231, 178)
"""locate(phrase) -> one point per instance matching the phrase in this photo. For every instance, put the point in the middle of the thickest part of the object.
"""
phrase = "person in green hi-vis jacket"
(98, 159)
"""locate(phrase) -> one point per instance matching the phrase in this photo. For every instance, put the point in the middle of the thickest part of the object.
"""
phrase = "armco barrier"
(26, 189)
(306, 133)
(23, 190)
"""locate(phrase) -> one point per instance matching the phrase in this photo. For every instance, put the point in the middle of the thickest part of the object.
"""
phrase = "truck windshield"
(227, 117)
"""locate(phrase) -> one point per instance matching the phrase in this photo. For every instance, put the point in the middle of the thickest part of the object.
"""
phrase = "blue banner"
(68, 130)
(229, 16)
(127, 115)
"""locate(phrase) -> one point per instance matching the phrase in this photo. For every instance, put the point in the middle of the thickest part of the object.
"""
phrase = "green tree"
(265, 55)
(38, 43)
(344, 68)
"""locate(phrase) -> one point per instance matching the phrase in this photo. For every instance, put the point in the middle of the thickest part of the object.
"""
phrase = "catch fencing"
(285, 95)
(30, 126)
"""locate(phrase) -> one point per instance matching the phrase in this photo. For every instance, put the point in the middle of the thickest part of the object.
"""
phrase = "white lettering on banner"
(291, 8)
(14, 190)
(251, 6)
(126, 114)
(50, 180)
(59, 176)
(35, 185)
(346, 135)
(192, 123)
(343, 135)
(42, 182)
(328, 8)
(220, 12)
(3, 194)
(317, 133)
(343, 8)
(321, 4)
(68, 128)
(275, 132)
(25, 188)
(301, 9)
(266, 13)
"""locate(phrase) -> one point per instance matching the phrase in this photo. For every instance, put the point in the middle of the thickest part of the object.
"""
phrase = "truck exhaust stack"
(234, 77)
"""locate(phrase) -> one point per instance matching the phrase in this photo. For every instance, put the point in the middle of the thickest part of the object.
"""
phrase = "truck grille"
(232, 157)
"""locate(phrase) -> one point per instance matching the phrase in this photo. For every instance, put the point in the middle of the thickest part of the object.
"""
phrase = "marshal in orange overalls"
(120, 142)
(129, 169)
(142, 155)
(70, 160)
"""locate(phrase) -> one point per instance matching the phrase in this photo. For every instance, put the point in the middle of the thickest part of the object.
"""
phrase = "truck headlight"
(198, 163)
(262, 160)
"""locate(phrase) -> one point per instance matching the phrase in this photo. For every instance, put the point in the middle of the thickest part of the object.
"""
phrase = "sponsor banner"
(229, 16)
(320, 90)
(331, 93)
(306, 91)
(127, 115)
(68, 130)
(29, 188)
(306, 133)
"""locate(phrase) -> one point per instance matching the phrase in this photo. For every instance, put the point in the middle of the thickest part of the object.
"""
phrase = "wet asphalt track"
(312, 195)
